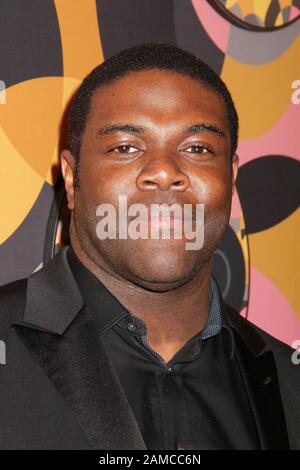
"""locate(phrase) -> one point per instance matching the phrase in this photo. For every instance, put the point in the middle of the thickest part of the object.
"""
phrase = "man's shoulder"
(270, 341)
(273, 343)
(283, 353)
(287, 368)
(13, 295)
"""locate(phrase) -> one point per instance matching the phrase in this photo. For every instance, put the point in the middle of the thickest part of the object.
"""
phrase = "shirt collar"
(106, 310)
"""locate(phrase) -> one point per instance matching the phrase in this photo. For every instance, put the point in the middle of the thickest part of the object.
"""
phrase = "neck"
(171, 317)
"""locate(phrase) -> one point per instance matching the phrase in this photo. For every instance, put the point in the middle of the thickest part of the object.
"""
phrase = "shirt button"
(131, 326)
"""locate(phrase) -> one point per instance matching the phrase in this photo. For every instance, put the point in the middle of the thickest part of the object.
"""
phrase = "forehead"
(160, 95)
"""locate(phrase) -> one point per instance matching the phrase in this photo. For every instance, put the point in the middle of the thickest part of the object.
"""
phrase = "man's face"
(143, 140)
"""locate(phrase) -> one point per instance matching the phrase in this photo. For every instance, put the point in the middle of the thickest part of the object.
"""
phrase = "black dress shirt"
(196, 400)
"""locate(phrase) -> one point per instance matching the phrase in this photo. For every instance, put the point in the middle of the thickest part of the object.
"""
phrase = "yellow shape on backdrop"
(29, 142)
(279, 19)
(285, 3)
(70, 85)
(262, 92)
(30, 118)
(246, 7)
(20, 186)
(80, 37)
(260, 8)
(230, 3)
(276, 253)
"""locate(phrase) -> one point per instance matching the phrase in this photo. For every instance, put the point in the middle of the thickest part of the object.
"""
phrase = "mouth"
(160, 220)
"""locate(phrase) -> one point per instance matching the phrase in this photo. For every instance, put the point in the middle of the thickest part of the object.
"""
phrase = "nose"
(163, 174)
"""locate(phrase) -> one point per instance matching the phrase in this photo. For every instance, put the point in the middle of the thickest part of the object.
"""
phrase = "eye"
(199, 149)
(127, 149)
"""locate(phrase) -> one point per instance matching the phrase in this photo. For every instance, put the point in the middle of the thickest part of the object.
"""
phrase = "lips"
(148, 216)
(163, 221)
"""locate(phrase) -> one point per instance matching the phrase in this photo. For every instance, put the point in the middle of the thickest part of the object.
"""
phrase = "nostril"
(163, 180)
(179, 184)
(149, 183)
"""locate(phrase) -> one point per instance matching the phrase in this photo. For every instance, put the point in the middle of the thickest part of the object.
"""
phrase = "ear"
(235, 164)
(67, 162)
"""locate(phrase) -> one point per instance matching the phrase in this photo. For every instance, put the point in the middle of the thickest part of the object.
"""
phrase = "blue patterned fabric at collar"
(214, 320)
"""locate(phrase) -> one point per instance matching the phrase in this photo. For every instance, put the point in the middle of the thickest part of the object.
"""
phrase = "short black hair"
(145, 57)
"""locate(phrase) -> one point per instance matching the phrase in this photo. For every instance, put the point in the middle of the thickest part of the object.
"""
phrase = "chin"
(157, 265)
(161, 273)
(164, 284)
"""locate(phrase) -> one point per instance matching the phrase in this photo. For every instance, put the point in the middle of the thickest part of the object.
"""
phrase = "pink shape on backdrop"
(243, 312)
(282, 139)
(294, 13)
(236, 209)
(270, 310)
(215, 26)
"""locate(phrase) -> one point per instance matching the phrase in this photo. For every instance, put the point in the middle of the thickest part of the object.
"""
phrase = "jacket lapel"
(57, 330)
(258, 370)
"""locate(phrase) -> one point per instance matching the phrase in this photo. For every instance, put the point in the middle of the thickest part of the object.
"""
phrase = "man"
(125, 342)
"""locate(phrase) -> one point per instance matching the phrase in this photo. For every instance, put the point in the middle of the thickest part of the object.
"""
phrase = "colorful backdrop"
(47, 47)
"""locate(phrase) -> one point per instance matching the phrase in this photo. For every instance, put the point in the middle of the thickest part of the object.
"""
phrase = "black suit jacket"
(59, 391)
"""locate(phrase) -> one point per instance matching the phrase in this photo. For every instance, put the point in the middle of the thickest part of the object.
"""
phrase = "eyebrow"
(134, 129)
(205, 128)
(127, 128)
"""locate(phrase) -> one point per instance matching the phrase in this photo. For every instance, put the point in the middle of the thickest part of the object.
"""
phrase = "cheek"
(105, 183)
(213, 189)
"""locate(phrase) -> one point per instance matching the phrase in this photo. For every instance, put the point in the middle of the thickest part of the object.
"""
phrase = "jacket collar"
(53, 299)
